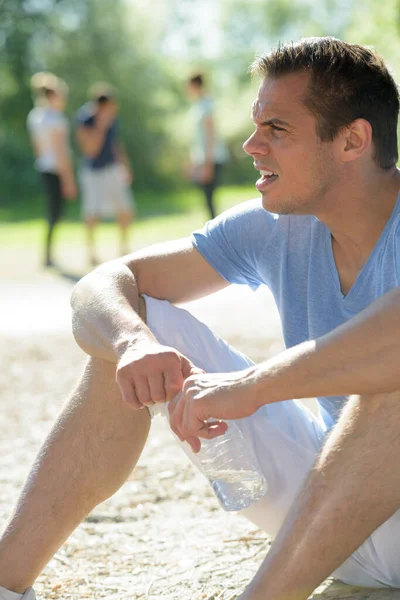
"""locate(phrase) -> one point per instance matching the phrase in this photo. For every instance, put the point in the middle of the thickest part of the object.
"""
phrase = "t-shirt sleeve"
(235, 242)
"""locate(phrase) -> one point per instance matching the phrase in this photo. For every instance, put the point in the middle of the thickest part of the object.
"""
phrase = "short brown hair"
(197, 80)
(348, 82)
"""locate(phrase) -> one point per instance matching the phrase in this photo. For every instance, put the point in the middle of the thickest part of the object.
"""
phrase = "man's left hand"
(207, 399)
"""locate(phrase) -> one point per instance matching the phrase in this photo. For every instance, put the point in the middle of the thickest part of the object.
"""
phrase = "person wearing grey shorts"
(324, 236)
(106, 174)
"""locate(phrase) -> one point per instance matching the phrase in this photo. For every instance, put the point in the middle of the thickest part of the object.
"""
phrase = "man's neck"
(360, 214)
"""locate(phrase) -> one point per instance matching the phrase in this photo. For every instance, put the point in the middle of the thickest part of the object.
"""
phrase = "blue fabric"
(86, 117)
(293, 256)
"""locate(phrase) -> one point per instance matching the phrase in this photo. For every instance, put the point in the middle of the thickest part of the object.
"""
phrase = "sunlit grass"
(147, 230)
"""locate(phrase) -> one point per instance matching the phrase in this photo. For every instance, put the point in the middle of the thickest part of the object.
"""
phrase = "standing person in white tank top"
(49, 131)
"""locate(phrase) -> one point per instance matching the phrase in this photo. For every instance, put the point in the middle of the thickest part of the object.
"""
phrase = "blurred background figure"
(208, 153)
(49, 132)
(106, 173)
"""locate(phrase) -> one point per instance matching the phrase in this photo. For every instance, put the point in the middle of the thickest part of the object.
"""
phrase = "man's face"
(193, 91)
(297, 169)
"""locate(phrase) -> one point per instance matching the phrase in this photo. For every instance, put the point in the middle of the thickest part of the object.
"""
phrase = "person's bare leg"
(124, 220)
(91, 223)
(90, 452)
(353, 488)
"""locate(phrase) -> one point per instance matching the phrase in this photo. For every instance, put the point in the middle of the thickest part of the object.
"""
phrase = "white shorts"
(105, 192)
(286, 438)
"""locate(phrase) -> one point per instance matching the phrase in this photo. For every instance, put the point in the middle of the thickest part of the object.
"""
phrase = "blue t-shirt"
(292, 255)
(86, 117)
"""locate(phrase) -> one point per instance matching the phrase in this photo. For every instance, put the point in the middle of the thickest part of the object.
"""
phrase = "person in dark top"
(106, 173)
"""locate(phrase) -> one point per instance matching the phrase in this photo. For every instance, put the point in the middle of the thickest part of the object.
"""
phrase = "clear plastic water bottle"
(232, 469)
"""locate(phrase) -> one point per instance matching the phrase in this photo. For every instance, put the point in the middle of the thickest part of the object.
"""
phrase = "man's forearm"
(359, 357)
(106, 308)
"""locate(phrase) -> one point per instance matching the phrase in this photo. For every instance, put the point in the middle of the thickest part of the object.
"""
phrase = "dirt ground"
(163, 535)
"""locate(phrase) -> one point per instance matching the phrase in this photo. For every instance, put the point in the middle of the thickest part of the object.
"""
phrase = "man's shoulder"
(245, 211)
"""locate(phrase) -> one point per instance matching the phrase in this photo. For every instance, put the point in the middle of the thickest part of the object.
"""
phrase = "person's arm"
(123, 159)
(91, 138)
(35, 145)
(359, 357)
(106, 323)
(59, 139)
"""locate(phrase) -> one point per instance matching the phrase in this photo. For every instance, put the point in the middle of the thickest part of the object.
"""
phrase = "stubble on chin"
(281, 208)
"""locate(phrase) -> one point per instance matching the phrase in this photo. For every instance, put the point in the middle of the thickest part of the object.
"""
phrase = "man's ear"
(356, 139)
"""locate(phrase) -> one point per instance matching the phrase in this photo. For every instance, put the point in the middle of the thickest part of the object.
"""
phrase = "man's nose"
(255, 145)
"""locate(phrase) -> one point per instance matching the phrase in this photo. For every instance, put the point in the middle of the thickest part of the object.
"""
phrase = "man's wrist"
(264, 386)
(131, 343)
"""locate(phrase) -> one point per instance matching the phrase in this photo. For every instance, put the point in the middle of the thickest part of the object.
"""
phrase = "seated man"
(325, 237)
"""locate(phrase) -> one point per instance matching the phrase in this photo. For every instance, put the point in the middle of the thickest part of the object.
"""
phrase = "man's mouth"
(266, 179)
(268, 174)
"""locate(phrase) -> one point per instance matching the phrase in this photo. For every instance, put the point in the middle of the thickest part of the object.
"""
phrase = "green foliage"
(83, 42)
(146, 51)
(19, 182)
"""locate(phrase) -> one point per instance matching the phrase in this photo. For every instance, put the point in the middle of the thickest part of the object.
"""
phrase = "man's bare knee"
(372, 416)
(388, 402)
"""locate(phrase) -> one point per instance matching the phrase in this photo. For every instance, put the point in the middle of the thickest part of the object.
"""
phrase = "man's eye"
(276, 128)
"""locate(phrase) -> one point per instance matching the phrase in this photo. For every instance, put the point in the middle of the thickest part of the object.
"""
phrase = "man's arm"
(106, 323)
(123, 159)
(359, 357)
(91, 138)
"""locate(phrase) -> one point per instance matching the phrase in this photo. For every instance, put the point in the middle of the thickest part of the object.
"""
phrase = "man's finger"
(128, 392)
(175, 409)
(194, 443)
(173, 382)
(157, 388)
(188, 368)
(143, 391)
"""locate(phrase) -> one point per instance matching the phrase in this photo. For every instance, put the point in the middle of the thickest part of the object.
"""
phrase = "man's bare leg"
(91, 223)
(90, 452)
(125, 218)
(353, 489)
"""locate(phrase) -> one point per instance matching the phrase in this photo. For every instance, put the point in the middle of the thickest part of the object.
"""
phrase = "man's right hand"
(150, 373)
